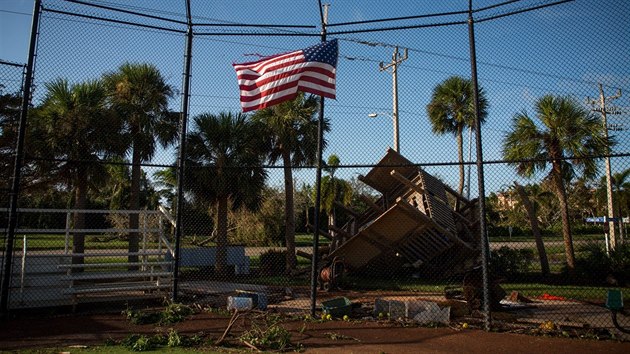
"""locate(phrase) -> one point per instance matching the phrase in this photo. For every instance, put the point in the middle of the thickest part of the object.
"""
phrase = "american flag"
(278, 78)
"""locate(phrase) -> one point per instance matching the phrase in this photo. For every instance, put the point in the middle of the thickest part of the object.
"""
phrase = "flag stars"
(325, 53)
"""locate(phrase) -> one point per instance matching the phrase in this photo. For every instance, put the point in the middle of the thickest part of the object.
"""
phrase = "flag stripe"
(258, 65)
(327, 76)
(271, 66)
(278, 78)
(314, 83)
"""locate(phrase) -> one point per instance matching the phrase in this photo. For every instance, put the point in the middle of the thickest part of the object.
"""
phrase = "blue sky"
(565, 49)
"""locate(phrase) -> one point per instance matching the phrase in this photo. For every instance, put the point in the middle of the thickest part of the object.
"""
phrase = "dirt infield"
(335, 336)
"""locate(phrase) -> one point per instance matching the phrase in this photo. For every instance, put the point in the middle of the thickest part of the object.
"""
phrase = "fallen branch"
(250, 345)
(229, 326)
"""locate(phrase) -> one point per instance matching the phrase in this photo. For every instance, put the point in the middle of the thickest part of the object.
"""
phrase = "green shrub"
(594, 265)
(273, 337)
(172, 313)
(142, 343)
(504, 231)
(174, 339)
(138, 343)
(509, 262)
(273, 262)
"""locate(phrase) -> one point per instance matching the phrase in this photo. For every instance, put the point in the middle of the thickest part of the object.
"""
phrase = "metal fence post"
(182, 149)
(17, 167)
(480, 177)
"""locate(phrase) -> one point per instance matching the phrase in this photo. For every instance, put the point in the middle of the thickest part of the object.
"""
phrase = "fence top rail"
(84, 211)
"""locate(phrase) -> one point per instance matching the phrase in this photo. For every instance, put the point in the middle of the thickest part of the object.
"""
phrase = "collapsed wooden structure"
(418, 223)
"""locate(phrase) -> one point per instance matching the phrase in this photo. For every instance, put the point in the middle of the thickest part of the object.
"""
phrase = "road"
(548, 244)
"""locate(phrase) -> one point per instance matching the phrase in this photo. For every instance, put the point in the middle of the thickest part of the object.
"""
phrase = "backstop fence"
(475, 157)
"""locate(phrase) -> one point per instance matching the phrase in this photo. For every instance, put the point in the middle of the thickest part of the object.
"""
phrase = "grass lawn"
(558, 237)
(574, 292)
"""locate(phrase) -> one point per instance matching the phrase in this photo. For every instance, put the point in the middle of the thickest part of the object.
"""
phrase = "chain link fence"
(398, 227)
(11, 95)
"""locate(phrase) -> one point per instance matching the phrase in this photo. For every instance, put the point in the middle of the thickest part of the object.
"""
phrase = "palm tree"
(530, 208)
(293, 128)
(10, 107)
(452, 109)
(334, 190)
(225, 154)
(140, 94)
(620, 183)
(77, 130)
(564, 135)
(166, 182)
(115, 194)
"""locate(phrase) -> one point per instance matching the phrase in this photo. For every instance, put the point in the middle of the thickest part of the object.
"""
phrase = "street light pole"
(396, 60)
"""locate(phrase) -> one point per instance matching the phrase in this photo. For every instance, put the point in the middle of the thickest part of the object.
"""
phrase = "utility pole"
(396, 59)
(609, 193)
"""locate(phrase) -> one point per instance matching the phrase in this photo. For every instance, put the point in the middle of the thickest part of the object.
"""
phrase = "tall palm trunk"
(460, 155)
(134, 204)
(564, 213)
(222, 236)
(80, 202)
(533, 221)
(289, 212)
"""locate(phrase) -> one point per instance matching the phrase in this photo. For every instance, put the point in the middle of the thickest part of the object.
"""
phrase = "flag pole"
(318, 180)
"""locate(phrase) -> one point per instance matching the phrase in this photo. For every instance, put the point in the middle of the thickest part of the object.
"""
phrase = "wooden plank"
(380, 236)
(426, 244)
(434, 186)
(377, 208)
(349, 210)
(402, 179)
(379, 177)
(416, 251)
(462, 218)
(340, 231)
(374, 239)
(321, 232)
(304, 254)
(459, 197)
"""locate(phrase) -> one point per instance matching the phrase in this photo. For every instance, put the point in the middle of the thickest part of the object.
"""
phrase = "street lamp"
(395, 122)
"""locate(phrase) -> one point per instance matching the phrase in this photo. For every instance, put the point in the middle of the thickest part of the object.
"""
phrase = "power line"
(442, 55)
(462, 59)
(16, 12)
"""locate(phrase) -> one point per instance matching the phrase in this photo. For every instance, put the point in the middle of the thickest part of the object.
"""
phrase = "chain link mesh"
(398, 228)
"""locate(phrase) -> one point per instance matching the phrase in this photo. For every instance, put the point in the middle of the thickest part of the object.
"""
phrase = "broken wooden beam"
(402, 179)
(340, 231)
(304, 255)
(349, 210)
(457, 196)
(367, 200)
(321, 232)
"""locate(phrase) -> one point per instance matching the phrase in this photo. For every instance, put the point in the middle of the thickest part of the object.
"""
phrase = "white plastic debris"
(430, 312)
(239, 303)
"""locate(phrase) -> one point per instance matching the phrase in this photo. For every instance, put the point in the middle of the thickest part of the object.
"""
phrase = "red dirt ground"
(315, 337)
